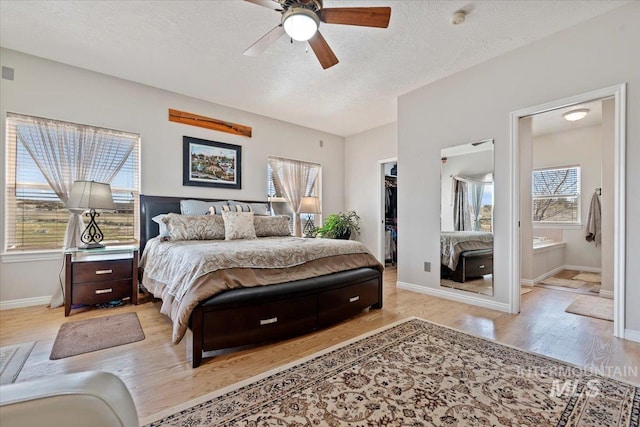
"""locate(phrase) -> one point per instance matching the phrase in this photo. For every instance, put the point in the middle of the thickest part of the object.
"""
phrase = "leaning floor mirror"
(466, 217)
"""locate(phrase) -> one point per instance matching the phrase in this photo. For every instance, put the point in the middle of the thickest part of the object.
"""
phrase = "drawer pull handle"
(104, 271)
(268, 321)
(354, 299)
(481, 266)
(104, 291)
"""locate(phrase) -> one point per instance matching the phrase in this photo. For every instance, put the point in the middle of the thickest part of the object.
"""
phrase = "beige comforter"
(186, 272)
(453, 243)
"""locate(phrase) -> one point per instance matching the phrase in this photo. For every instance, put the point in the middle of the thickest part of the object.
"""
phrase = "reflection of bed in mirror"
(466, 254)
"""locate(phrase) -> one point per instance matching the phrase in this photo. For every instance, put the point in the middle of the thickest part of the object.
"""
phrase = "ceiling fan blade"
(271, 4)
(322, 50)
(264, 42)
(363, 16)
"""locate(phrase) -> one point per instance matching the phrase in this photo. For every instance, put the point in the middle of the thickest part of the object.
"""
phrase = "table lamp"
(92, 196)
(309, 205)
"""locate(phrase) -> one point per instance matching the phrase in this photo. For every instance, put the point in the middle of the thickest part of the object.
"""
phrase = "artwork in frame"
(211, 164)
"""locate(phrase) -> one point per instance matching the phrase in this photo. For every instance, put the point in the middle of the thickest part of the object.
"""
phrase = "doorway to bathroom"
(567, 156)
(569, 187)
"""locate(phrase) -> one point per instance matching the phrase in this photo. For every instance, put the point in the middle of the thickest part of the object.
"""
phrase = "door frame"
(381, 188)
(618, 92)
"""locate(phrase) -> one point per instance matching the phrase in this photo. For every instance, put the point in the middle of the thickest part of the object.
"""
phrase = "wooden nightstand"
(97, 276)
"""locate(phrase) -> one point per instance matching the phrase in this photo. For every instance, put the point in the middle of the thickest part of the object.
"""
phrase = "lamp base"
(309, 228)
(92, 245)
(92, 235)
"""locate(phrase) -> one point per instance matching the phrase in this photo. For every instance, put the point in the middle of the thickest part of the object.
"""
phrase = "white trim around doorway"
(381, 189)
(619, 266)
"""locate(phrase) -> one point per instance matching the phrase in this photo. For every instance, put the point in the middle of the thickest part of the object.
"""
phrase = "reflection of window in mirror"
(467, 188)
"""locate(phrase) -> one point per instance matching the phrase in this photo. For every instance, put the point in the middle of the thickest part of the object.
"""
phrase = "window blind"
(556, 195)
(35, 217)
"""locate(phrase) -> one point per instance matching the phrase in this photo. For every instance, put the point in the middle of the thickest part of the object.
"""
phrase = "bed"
(466, 254)
(234, 303)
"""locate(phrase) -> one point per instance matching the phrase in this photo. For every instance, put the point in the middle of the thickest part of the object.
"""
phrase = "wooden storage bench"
(473, 264)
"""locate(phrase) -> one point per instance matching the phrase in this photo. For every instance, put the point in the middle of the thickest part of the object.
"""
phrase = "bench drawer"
(259, 322)
(478, 266)
(339, 304)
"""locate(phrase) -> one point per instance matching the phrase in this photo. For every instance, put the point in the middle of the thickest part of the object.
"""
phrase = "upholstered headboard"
(151, 206)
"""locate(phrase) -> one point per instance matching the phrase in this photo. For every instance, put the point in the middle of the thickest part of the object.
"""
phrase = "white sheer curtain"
(476, 192)
(467, 196)
(296, 179)
(67, 152)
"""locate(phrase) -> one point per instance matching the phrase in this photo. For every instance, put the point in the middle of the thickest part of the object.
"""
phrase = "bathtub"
(548, 257)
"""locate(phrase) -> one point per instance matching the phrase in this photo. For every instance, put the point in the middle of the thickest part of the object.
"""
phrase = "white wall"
(589, 56)
(363, 181)
(58, 91)
(571, 148)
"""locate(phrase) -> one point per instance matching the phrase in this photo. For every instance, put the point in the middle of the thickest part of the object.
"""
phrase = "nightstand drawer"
(98, 271)
(100, 292)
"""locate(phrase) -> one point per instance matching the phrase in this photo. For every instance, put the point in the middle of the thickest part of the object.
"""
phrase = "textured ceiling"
(195, 48)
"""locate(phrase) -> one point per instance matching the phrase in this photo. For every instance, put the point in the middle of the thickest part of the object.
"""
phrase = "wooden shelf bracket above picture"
(208, 123)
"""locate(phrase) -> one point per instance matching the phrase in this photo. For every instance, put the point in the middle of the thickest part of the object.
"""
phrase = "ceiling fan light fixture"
(300, 24)
(575, 115)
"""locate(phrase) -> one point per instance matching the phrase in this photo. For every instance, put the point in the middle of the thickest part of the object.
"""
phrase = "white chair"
(82, 399)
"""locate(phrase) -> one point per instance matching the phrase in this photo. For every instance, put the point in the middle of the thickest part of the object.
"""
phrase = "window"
(485, 217)
(295, 179)
(556, 195)
(44, 152)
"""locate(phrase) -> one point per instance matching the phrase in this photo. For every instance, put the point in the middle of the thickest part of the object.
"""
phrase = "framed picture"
(211, 164)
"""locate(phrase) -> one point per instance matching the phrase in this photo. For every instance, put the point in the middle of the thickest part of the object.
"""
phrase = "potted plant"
(340, 225)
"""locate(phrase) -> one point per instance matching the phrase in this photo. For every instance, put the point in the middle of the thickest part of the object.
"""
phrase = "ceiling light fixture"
(575, 115)
(300, 24)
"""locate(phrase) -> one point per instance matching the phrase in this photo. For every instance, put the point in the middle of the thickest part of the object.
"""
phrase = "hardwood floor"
(159, 376)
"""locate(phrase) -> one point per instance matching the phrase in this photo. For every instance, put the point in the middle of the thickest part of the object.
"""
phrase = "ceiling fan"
(301, 19)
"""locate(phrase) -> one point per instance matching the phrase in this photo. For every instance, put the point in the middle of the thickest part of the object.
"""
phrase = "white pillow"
(164, 231)
(238, 225)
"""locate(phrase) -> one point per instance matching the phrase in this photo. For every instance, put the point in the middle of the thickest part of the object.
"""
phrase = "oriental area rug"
(416, 373)
(85, 336)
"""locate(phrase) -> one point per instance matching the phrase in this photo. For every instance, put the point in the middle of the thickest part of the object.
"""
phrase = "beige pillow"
(200, 227)
(267, 226)
(238, 225)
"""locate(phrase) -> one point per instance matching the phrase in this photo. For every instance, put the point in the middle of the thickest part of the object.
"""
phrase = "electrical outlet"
(427, 266)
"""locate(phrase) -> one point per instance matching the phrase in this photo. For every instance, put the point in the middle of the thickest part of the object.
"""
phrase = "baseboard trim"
(527, 283)
(549, 273)
(24, 302)
(632, 335)
(455, 296)
(583, 268)
(606, 294)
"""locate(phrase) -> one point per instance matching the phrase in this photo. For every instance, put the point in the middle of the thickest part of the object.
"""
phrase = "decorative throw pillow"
(238, 225)
(260, 208)
(238, 206)
(198, 227)
(216, 210)
(164, 231)
(199, 207)
(268, 226)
